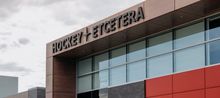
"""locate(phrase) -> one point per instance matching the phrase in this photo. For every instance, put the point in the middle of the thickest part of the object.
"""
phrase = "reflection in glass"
(214, 52)
(101, 61)
(118, 75)
(109, 69)
(100, 79)
(118, 56)
(159, 66)
(160, 44)
(137, 71)
(190, 58)
(96, 80)
(103, 78)
(189, 35)
(85, 83)
(85, 66)
(214, 26)
(137, 51)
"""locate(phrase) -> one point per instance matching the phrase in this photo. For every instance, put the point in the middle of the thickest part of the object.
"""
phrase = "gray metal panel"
(32, 93)
(36, 93)
(8, 86)
(103, 93)
(134, 90)
(41, 93)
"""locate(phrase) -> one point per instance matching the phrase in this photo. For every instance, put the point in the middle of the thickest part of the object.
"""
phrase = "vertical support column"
(49, 71)
(64, 78)
(60, 76)
(49, 77)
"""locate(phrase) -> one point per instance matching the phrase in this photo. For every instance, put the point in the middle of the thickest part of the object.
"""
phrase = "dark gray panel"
(95, 94)
(85, 95)
(134, 90)
(36, 93)
(40, 93)
(32, 93)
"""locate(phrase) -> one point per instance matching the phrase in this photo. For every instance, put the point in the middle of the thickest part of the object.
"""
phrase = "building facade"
(155, 49)
(38, 92)
(8, 86)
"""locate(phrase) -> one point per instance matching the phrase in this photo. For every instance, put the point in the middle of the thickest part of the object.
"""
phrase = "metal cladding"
(118, 22)
(95, 31)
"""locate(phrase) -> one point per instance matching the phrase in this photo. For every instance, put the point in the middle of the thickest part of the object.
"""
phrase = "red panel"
(213, 93)
(192, 94)
(165, 96)
(212, 76)
(159, 86)
(191, 80)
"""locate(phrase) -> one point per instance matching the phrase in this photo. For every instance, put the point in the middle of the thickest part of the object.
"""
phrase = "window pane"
(96, 81)
(118, 75)
(214, 27)
(137, 51)
(85, 66)
(159, 66)
(103, 77)
(118, 56)
(189, 35)
(160, 44)
(214, 52)
(190, 58)
(137, 70)
(100, 80)
(85, 83)
(101, 61)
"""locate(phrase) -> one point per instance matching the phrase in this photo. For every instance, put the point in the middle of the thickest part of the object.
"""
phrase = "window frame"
(172, 30)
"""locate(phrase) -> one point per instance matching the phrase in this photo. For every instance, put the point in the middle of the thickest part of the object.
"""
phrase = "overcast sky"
(27, 25)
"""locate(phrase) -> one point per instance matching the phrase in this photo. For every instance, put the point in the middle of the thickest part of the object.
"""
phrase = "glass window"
(118, 75)
(137, 71)
(104, 78)
(159, 66)
(137, 51)
(189, 35)
(85, 66)
(214, 26)
(96, 80)
(101, 61)
(100, 79)
(118, 56)
(160, 44)
(85, 83)
(190, 58)
(214, 52)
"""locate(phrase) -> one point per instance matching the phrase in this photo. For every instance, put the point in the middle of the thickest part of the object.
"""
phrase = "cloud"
(3, 46)
(84, 12)
(3, 39)
(23, 41)
(43, 2)
(12, 67)
(5, 33)
(6, 43)
(8, 7)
